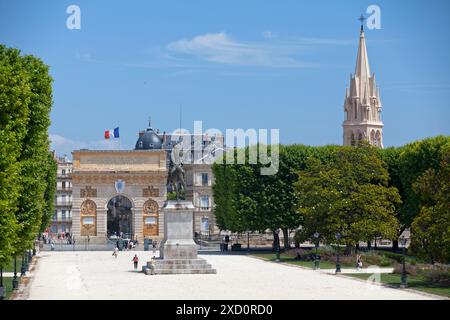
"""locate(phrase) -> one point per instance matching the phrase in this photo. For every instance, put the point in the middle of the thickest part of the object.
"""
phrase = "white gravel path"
(98, 275)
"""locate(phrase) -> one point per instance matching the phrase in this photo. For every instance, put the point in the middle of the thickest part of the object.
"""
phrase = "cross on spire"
(362, 19)
(149, 122)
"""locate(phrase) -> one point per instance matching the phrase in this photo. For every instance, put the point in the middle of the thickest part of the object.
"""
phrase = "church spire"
(362, 69)
(362, 104)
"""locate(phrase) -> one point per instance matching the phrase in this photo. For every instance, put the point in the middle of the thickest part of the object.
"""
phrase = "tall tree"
(347, 195)
(430, 232)
(15, 94)
(34, 156)
(405, 165)
(49, 194)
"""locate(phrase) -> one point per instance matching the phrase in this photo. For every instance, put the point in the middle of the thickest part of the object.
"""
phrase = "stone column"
(101, 222)
(138, 221)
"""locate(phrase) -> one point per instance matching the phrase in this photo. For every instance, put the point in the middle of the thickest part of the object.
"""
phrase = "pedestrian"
(152, 265)
(135, 261)
(358, 262)
(115, 252)
(52, 246)
(154, 247)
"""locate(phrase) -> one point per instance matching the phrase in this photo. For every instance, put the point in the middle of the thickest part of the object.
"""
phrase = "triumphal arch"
(118, 193)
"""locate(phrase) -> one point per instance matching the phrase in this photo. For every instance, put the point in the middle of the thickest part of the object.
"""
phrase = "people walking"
(135, 262)
(116, 250)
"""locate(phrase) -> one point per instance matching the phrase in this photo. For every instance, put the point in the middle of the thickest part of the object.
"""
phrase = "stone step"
(179, 262)
(183, 266)
(147, 271)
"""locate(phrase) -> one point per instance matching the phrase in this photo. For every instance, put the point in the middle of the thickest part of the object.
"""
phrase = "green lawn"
(414, 282)
(7, 283)
(289, 259)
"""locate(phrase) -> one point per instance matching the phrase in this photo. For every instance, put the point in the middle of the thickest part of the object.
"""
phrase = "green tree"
(49, 194)
(34, 155)
(15, 94)
(405, 165)
(248, 201)
(234, 185)
(430, 230)
(349, 194)
(415, 159)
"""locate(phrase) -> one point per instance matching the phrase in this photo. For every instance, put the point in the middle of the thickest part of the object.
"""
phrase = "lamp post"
(15, 282)
(316, 257)
(338, 262)
(30, 258)
(2, 288)
(23, 267)
(277, 245)
(404, 283)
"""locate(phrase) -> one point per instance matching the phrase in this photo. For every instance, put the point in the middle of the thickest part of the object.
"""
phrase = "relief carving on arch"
(151, 219)
(151, 207)
(88, 218)
(88, 207)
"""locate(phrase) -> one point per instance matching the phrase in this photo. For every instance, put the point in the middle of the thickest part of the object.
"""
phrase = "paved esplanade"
(98, 275)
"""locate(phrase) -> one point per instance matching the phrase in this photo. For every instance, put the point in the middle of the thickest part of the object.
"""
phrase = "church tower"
(362, 104)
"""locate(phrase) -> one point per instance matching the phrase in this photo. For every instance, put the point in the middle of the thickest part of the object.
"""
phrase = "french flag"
(112, 133)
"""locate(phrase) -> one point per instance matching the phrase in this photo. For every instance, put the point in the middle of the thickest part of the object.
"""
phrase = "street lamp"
(23, 266)
(316, 258)
(15, 282)
(404, 283)
(338, 262)
(2, 288)
(277, 245)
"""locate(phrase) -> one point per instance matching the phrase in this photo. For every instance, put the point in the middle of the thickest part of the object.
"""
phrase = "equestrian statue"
(176, 178)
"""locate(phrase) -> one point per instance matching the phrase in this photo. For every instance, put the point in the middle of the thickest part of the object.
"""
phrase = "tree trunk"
(276, 241)
(369, 245)
(394, 245)
(357, 248)
(287, 245)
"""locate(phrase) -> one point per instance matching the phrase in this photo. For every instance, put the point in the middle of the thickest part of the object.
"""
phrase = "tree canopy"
(349, 194)
(431, 227)
(27, 171)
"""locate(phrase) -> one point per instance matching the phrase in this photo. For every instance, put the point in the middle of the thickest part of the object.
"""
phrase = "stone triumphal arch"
(118, 192)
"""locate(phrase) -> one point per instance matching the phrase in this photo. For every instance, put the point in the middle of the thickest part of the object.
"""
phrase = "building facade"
(362, 105)
(62, 217)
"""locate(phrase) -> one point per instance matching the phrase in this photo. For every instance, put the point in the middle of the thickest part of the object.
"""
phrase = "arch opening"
(120, 218)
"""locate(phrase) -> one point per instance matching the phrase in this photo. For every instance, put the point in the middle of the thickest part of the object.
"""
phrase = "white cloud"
(65, 146)
(221, 48)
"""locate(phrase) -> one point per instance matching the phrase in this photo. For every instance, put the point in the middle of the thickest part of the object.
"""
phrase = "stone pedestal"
(178, 251)
(178, 240)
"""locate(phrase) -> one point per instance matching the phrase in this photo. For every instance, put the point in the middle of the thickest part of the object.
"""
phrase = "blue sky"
(233, 64)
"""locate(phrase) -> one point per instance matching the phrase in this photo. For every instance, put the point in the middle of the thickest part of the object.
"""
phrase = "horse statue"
(176, 178)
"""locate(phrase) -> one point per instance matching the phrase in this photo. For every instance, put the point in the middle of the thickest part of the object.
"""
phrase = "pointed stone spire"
(362, 69)
(362, 103)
